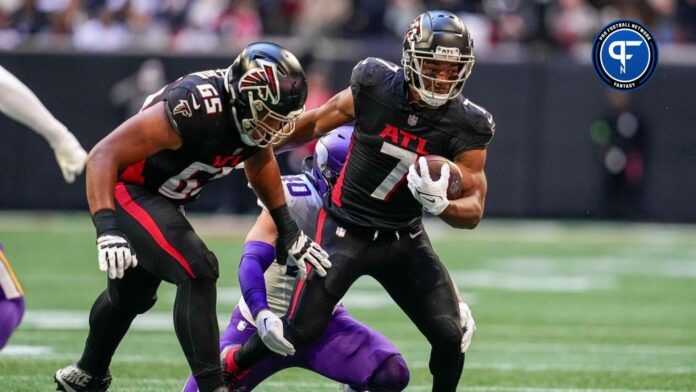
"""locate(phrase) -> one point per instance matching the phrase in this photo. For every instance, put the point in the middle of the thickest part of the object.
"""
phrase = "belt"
(375, 234)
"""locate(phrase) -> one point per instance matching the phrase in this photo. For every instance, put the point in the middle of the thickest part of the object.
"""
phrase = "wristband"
(105, 221)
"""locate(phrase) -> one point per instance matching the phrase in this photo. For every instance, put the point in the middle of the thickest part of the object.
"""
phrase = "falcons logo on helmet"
(263, 79)
(414, 31)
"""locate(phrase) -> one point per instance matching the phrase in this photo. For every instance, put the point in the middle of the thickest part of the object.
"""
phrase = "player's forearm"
(20, 104)
(102, 170)
(256, 258)
(264, 177)
(464, 213)
(304, 132)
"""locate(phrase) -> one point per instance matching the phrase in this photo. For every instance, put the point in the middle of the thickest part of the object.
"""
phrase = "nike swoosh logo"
(196, 105)
(422, 195)
(414, 235)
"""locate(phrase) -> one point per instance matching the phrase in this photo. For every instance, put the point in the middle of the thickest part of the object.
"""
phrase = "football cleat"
(74, 379)
(230, 370)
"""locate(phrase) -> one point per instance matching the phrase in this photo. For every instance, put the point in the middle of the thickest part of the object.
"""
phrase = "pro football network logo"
(263, 79)
(624, 54)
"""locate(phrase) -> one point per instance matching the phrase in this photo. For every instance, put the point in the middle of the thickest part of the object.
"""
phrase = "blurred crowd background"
(520, 27)
(566, 145)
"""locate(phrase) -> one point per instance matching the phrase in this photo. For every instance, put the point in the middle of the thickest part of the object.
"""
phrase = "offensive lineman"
(194, 130)
(371, 223)
(22, 105)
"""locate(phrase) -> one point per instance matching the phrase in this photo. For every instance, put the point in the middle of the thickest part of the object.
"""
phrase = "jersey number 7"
(398, 174)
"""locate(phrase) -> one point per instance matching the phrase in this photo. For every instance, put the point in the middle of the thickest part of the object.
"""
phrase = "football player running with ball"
(371, 220)
(349, 352)
(191, 132)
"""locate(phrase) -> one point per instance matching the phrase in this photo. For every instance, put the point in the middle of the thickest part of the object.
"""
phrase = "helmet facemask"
(424, 70)
(265, 127)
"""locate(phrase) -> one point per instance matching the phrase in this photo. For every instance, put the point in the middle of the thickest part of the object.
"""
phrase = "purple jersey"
(9, 285)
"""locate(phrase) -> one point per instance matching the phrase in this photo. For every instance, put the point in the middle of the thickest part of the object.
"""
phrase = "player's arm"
(292, 245)
(20, 104)
(263, 175)
(139, 137)
(337, 111)
(257, 256)
(466, 212)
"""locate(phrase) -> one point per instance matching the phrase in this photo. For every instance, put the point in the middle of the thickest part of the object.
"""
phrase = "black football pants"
(168, 249)
(405, 263)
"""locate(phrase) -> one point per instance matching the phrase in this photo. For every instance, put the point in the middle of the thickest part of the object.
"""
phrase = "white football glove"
(270, 329)
(431, 194)
(115, 255)
(71, 158)
(466, 321)
(304, 250)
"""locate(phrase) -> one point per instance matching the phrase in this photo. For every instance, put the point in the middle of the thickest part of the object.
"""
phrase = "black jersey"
(198, 108)
(390, 134)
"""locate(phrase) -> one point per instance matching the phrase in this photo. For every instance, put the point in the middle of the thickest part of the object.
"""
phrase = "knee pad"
(447, 332)
(209, 266)
(146, 305)
(391, 375)
(131, 303)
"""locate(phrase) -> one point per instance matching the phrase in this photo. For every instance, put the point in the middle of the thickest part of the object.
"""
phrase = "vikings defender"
(11, 300)
(348, 352)
(191, 132)
(371, 220)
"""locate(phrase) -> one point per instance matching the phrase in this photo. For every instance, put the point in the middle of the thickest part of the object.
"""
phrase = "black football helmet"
(269, 91)
(437, 37)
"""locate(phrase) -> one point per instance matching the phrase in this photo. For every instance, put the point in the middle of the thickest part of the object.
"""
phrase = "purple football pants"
(11, 312)
(348, 352)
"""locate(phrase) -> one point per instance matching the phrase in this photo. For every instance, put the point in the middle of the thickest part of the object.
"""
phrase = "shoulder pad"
(480, 119)
(370, 71)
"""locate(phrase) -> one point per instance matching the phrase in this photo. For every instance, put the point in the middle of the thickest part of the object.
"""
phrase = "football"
(435, 163)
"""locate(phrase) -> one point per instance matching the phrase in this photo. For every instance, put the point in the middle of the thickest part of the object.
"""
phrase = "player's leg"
(419, 283)
(238, 331)
(174, 252)
(11, 312)
(11, 300)
(354, 354)
(112, 314)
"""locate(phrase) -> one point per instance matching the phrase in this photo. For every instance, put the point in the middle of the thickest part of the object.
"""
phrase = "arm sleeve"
(20, 104)
(185, 110)
(481, 129)
(256, 258)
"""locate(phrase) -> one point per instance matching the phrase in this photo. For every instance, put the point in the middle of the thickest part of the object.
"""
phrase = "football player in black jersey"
(371, 221)
(194, 130)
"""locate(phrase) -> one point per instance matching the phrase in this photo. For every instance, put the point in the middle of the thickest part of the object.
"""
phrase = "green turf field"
(559, 306)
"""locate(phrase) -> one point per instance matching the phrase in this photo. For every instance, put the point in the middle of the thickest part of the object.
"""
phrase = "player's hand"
(71, 158)
(466, 321)
(270, 329)
(431, 194)
(293, 247)
(303, 250)
(115, 254)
